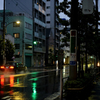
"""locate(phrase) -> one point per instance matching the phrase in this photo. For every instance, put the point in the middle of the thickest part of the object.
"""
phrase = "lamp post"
(4, 32)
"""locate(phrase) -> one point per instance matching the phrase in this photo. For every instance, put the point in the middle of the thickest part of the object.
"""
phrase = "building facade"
(35, 8)
(52, 28)
(22, 33)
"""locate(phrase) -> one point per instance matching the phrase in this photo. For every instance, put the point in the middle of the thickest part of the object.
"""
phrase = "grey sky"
(61, 15)
(1, 4)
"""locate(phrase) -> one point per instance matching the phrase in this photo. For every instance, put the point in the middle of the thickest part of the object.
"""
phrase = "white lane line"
(38, 77)
(6, 97)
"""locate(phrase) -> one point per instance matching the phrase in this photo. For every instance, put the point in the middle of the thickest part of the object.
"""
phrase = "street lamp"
(17, 22)
(4, 32)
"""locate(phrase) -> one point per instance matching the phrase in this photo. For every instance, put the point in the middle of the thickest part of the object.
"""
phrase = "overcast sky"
(61, 15)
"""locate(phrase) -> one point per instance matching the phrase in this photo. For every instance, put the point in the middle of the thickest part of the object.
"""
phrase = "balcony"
(39, 8)
(38, 49)
(43, 37)
(36, 34)
(39, 22)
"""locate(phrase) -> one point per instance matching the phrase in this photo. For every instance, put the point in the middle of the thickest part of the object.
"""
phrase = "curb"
(54, 96)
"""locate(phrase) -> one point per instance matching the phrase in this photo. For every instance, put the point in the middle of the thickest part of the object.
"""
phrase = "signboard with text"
(87, 7)
(73, 47)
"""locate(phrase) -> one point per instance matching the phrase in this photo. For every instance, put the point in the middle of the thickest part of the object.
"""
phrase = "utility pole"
(4, 58)
(97, 28)
(60, 58)
(73, 40)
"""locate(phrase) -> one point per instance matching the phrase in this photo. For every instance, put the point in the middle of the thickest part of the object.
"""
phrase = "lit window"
(28, 46)
(16, 35)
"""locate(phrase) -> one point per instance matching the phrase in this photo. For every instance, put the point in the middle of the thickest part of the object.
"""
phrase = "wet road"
(35, 85)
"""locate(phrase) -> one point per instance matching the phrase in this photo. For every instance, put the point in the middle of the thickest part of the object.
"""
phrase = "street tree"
(85, 29)
(64, 7)
(9, 50)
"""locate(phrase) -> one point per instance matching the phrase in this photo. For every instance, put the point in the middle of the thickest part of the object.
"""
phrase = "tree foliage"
(85, 28)
(64, 7)
(9, 49)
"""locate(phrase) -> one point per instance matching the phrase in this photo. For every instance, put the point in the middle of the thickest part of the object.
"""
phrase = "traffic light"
(56, 57)
(35, 42)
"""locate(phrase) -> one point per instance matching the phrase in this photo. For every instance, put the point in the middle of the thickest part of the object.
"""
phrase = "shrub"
(79, 83)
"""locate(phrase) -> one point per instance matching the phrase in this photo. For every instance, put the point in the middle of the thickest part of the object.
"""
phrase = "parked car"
(13, 66)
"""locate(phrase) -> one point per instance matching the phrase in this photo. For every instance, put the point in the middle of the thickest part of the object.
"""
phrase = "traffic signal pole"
(73, 40)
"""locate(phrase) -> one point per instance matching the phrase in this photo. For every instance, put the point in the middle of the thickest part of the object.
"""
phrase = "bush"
(77, 87)
(80, 82)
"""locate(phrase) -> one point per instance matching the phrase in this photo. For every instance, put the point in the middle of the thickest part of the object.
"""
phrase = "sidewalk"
(92, 94)
(95, 92)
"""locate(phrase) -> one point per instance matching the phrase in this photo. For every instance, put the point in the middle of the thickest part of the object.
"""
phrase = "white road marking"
(6, 97)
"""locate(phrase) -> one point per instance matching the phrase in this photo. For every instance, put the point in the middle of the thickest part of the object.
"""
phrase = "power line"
(23, 5)
(20, 7)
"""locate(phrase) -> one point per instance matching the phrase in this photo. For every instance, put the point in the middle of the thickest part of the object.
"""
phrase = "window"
(43, 6)
(43, 18)
(16, 35)
(48, 0)
(48, 7)
(48, 22)
(28, 46)
(2, 24)
(40, 16)
(43, 31)
(36, 28)
(44, 43)
(15, 24)
(27, 25)
(28, 36)
(48, 14)
(17, 46)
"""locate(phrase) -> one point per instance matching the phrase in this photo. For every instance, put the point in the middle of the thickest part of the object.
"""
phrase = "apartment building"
(37, 9)
(22, 34)
(52, 28)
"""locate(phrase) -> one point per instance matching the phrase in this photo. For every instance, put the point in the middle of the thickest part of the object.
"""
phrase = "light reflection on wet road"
(31, 85)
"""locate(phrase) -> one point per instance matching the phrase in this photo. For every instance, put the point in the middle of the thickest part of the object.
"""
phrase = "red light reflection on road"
(11, 80)
(2, 81)
(1, 92)
(11, 92)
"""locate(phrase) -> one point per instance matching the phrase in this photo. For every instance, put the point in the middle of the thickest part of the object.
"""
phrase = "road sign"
(87, 7)
(73, 47)
(72, 56)
(73, 41)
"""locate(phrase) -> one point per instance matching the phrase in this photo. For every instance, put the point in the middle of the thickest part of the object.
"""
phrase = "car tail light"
(2, 81)
(2, 67)
(11, 67)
